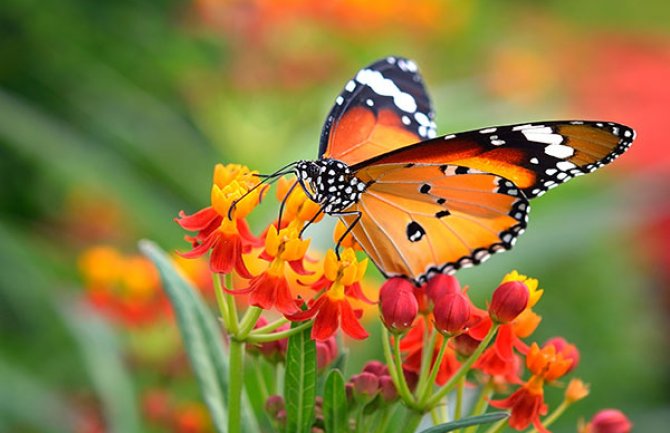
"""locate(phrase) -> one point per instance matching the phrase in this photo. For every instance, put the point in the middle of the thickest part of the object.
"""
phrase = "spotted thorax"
(330, 183)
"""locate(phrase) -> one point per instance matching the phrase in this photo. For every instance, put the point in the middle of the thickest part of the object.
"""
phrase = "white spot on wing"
(559, 151)
(385, 87)
(350, 86)
(487, 130)
(339, 100)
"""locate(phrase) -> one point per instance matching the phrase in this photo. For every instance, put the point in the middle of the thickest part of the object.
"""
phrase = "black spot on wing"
(415, 232)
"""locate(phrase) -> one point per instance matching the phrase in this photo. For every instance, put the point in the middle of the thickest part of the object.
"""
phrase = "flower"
(347, 241)
(576, 391)
(509, 300)
(526, 404)
(412, 345)
(451, 313)
(221, 227)
(569, 351)
(441, 285)
(124, 287)
(609, 421)
(270, 288)
(365, 387)
(397, 304)
(297, 206)
(340, 283)
(546, 362)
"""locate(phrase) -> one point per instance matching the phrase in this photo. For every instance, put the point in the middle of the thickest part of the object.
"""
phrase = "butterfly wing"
(384, 107)
(417, 220)
(535, 156)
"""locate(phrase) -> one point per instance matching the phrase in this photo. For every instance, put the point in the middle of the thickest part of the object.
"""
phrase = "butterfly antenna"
(283, 204)
(267, 179)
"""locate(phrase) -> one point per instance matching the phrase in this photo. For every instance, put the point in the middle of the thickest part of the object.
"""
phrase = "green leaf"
(200, 333)
(466, 422)
(300, 382)
(335, 403)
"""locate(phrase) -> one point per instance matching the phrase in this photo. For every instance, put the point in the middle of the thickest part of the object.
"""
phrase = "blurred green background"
(113, 114)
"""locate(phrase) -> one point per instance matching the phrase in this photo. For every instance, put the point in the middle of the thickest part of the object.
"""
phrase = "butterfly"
(419, 204)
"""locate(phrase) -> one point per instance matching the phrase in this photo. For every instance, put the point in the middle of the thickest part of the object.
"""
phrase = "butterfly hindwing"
(535, 156)
(383, 108)
(421, 219)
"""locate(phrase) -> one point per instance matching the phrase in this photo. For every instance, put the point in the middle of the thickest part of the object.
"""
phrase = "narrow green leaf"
(200, 333)
(335, 403)
(300, 382)
(467, 422)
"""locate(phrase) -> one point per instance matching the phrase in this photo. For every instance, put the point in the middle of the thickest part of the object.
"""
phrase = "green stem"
(383, 423)
(220, 301)
(262, 385)
(428, 348)
(404, 391)
(497, 427)
(549, 420)
(458, 409)
(270, 326)
(396, 370)
(412, 421)
(233, 320)
(435, 417)
(433, 373)
(482, 403)
(264, 338)
(248, 322)
(235, 385)
(465, 367)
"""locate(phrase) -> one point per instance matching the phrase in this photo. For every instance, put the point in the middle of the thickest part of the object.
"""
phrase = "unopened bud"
(509, 300)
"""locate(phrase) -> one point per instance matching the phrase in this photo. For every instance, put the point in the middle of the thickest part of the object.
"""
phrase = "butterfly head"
(329, 182)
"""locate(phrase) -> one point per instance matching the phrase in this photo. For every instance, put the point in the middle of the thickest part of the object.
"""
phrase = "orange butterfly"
(420, 204)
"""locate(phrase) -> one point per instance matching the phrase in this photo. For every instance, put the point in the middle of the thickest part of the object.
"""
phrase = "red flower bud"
(326, 352)
(610, 421)
(397, 304)
(441, 285)
(451, 313)
(569, 351)
(509, 300)
(422, 299)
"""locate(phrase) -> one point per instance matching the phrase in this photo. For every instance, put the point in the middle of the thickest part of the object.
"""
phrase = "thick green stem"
(248, 322)
(233, 320)
(458, 409)
(235, 385)
(404, 391)
(265, 338)
(412, 421)
(462, 371)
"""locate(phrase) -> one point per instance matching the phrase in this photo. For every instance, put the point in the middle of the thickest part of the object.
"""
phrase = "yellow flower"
(348, 241)
(348, 270)
(298, 205)
(231, 183)
(531, 283)
(286, 244)
(576, 390)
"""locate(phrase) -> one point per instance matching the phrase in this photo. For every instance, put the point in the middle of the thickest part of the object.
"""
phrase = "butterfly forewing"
(535, 156)
(421, 219)
(383, 108)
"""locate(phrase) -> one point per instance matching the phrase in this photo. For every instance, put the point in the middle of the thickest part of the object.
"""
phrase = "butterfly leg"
(358, 214)
(311, 221)
(283, 204)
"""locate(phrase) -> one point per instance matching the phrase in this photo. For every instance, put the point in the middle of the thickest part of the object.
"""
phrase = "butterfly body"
(420, 204)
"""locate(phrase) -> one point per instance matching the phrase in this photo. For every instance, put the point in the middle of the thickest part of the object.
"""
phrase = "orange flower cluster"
(223, 231)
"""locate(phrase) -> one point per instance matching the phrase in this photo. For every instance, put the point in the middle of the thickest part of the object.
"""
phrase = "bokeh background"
(113, 114)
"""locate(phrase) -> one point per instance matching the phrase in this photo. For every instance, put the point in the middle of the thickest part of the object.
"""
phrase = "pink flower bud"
(273, 405)
(441, 285)
(610, 421)
(397, 304)
(569, 351)
(326, 352)
(365, 387)
(377, 368)
(509, 300)
(387, 389)
(451, 313)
